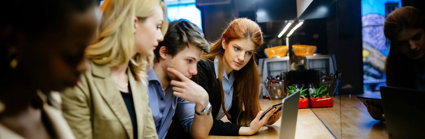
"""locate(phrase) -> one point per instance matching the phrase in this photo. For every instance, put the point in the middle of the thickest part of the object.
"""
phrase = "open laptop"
(404, 111)
(288, 123)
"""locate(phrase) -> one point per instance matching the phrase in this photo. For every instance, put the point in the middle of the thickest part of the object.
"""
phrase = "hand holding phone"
(277, 106)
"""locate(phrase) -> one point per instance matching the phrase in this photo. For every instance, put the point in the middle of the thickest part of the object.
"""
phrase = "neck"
(119, 69)
(227, 68)
(161, 73)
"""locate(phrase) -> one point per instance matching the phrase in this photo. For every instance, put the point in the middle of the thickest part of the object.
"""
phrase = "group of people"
(73, 70)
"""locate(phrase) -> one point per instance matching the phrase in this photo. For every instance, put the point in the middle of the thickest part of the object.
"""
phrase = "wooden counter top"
(308, 126)
(347, 119)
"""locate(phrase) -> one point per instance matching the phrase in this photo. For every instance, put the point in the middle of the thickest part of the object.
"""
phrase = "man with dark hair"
(171, 92)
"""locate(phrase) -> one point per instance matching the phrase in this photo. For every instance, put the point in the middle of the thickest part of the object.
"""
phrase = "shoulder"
(206, 66)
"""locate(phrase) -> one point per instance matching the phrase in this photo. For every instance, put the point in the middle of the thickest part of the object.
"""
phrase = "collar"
(152, 75)
(230, 77)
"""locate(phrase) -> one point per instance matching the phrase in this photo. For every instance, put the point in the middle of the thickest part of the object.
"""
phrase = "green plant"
(321, 91)
(292, 89)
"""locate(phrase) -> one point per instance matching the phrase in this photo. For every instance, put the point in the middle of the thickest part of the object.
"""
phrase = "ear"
(223, 44)
(136, 20)
(163, 52)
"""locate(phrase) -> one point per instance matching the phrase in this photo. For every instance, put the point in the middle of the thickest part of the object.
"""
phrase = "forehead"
(244, 44)
(157, 13)
(190, 51)
(408, 33)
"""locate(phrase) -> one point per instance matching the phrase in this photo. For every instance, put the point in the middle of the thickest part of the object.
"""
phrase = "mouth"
(238, 64)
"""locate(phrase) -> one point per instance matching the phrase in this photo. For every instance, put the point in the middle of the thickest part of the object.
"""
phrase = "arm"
(76, 110)
(192, 92)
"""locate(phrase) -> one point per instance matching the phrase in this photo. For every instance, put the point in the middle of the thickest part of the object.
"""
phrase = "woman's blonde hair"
(247, 80)
(115, 42)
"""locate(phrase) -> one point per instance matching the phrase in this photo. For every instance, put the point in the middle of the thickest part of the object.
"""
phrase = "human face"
(148, 33)
(60, 59)
(237, 54)
(411, 43)
(184, 61)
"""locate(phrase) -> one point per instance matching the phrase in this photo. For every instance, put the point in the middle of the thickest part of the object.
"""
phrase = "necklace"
(122, 87)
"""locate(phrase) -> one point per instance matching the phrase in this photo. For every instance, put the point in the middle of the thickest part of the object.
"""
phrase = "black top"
(128, 99)
(208, 80)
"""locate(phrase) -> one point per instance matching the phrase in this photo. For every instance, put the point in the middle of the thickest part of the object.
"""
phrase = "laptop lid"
(404, 111)
(288, 123)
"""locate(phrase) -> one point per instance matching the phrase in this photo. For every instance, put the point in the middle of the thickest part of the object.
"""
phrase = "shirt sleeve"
(185, 113)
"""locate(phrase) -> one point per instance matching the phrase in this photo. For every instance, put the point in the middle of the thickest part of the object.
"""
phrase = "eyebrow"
(236, 45)
(191, 57)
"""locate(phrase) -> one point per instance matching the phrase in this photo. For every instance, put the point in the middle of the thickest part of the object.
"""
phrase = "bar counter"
(348, 118)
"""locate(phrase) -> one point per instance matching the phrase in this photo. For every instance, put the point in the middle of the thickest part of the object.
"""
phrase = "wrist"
(202, 102)
(204, 111)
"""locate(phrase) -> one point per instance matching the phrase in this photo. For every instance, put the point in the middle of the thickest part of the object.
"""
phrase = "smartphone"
(278, 106)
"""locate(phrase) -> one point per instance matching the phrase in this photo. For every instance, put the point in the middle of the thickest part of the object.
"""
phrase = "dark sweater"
(208, 80)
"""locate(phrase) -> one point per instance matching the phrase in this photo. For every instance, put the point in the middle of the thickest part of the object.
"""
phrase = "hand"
(189, 90)
(274, 117)
(256, 124)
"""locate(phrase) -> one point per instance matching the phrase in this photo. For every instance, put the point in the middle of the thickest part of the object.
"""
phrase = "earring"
(14, 62)
(134, 32)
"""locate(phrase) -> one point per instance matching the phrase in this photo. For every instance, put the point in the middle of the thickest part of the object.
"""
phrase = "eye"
(190, 61)
(159, 27)
(236, 48)
(417, 37)
(248, 53)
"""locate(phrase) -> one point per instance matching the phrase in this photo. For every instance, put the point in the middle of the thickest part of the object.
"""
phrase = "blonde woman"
(111, 99)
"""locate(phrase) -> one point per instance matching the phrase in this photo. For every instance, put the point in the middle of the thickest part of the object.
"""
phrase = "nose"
(241, 56)
(82, 66)
(160, 37)
(413, 45)
(193, 70)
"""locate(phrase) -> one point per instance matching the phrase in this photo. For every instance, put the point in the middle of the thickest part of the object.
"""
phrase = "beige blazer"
(54, 116)
(95, 108)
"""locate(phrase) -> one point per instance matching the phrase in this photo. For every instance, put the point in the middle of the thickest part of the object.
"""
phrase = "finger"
(178, 74)
(178, 94)
(278, 111)
(268, 115)
(178, 89)
(177, 83)
(259, 114)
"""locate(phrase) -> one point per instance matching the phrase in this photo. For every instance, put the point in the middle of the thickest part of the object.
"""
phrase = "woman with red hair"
(230, 76)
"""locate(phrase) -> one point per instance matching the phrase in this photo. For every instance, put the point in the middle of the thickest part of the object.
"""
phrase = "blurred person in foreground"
(42, 51)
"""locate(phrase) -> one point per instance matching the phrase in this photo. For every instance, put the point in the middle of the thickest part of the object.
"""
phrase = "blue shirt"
(227, 84)
(165, 105)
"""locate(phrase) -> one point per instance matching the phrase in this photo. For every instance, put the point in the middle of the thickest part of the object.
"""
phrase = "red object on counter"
(321, 102)
(303, 103)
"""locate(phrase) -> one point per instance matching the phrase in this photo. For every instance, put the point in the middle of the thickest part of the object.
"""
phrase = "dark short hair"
(34, 18)
(179, 35)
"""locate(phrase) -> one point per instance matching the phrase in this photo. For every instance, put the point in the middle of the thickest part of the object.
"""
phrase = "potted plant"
(303, 103)
(320, 98)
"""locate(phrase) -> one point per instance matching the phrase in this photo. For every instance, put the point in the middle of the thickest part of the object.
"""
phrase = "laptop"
(288, 123)
(404, 111)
